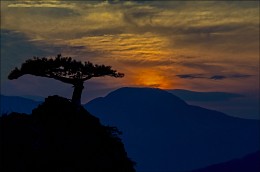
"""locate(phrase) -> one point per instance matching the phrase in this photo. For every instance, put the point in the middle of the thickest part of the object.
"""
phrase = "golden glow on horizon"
(152, 78)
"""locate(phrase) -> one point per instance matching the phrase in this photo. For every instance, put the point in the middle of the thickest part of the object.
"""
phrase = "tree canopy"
(64, 69)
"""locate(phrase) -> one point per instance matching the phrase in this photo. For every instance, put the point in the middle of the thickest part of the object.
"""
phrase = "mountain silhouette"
(163, 133)
(17, 104)
(188, 95)
(60, 136)
(247, 163)
(233, 104)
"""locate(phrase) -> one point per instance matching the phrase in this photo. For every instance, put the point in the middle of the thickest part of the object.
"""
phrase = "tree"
(64, 69)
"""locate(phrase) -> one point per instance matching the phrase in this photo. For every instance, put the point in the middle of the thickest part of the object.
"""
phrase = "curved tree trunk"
(76, 97)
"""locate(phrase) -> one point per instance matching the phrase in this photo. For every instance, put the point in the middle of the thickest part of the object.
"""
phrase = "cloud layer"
(150, 41)
(213, 77)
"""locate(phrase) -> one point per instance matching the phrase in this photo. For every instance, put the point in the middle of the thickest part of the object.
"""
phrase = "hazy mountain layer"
(163, 133)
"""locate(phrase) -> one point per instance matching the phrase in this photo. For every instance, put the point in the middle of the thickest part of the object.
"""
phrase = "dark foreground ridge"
(60, 136)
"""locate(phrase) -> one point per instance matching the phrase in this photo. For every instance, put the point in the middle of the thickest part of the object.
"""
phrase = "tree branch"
(62, 79)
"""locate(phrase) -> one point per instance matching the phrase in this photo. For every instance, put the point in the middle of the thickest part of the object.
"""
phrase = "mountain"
(35, 98)
(236, 105)
(17, 104)
(188, 95)
(60, 136)
(163, 133)
(249, 162)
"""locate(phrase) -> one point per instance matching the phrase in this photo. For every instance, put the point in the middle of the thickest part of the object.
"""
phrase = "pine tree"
(64, 69)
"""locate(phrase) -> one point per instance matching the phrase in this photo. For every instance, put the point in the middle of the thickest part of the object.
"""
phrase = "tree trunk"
(76, 97)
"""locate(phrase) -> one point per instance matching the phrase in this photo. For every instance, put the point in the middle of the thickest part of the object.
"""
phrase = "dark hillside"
(59, 136)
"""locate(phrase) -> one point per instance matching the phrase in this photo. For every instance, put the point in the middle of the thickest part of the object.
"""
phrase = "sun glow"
(152, 78)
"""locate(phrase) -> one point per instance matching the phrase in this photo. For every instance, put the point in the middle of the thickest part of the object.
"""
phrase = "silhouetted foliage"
(58, 136)
(64, 69)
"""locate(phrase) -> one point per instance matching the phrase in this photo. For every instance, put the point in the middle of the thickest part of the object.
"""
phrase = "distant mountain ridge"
(163, 133)
(204, 99)
(188, 95)
(17, 104)
(238, 105)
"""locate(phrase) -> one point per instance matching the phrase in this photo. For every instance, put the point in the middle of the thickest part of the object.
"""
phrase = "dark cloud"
(213, 77)
(122, 1)
(190, 76)
(218, 77)
(57, 12)
(147, 63)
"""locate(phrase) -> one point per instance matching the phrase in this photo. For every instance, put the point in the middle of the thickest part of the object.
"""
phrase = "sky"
(193, 45)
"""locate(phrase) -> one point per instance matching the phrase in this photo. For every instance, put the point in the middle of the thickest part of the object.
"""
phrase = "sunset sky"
(194, 45)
